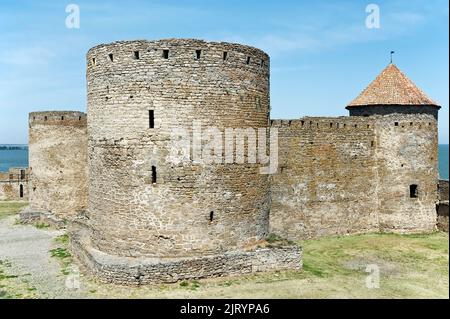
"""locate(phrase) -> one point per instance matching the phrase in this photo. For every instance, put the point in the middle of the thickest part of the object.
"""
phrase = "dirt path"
(26, 250)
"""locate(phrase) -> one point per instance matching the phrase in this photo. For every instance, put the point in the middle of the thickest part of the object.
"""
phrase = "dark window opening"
(372, 143)
(211, 216)
(111, 57)
(93, 61)
(79, 118)
(22, 174)
(165, 54)
(410, 123)
(45, 118)
(368, 126)
(248, 60)
(136, 55)
(151, 119)
(198, 54)
(413, 191)
(62, 118)
(225, 56)
(331, 125)
(21, 191)
(303, 123)
(34, 117)
(396, 123)
(153, 174)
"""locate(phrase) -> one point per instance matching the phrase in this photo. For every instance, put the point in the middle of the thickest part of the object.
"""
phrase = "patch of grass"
(63, 239)
(41, 225)
(12, 286)
(8, 208)
(60, 253)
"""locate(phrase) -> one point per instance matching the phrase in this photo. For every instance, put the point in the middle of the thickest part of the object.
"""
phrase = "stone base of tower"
(140, 271)
(28, 216)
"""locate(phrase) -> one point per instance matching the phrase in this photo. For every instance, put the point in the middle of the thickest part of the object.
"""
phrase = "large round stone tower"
(144, 204)
(57, 160)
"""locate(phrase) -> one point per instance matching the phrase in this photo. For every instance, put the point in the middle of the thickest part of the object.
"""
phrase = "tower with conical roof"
(392, 92)
(406, 150)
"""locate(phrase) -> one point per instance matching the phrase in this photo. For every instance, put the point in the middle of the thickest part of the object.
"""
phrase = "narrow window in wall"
(413, 191)
(45, 118)
(93, 61)
(21, 191)
(248, 60)
(151, 119)
(211, 216)
(111, 57)
(396, 123)
(62, 118)
(136, 55)
(165, 54)
(153, 174)
(22, 174)
(225, 56)
(198, 54)
(372, 143)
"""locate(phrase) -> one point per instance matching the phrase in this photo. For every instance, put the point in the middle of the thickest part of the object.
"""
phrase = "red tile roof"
(392, 87)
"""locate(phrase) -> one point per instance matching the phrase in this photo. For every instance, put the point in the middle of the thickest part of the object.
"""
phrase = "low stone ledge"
(28, 216)
(140, 271)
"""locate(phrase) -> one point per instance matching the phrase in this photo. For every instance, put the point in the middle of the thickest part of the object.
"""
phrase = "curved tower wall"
(57, 161)
(192, 209)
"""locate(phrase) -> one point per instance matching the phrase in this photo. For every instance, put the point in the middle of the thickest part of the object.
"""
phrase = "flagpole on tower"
(392, 52)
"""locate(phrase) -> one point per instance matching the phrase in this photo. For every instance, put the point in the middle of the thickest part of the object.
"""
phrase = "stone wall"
(14, 184)
(190, 209)
(443, 206)
(407, 155)
(353, 174)
(58, 163)
(325, 182)
(443, 189)
(114, 269)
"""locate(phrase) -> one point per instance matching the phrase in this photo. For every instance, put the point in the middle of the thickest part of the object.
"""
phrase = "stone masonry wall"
(353, 174)
(192, 209)
(443, 206)
(407, 155)
(325, 183)
(58, 162)
(14, 184)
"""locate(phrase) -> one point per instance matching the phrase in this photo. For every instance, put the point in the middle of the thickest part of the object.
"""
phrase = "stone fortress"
(135, 217)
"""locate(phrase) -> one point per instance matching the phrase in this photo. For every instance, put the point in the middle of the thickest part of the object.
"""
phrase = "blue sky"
(322, 54)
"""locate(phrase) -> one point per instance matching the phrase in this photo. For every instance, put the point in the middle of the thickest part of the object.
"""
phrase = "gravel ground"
(26, 249)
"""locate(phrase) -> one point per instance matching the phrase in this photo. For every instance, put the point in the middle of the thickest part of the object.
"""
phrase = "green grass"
(13, 287)
(8, 208)
(411, 266)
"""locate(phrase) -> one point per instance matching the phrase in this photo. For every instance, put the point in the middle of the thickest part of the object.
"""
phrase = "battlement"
(321, 123)
(69, 118)
(350, 122)
(183, 52)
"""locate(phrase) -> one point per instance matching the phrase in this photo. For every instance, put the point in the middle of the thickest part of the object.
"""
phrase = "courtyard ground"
(35, 263)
